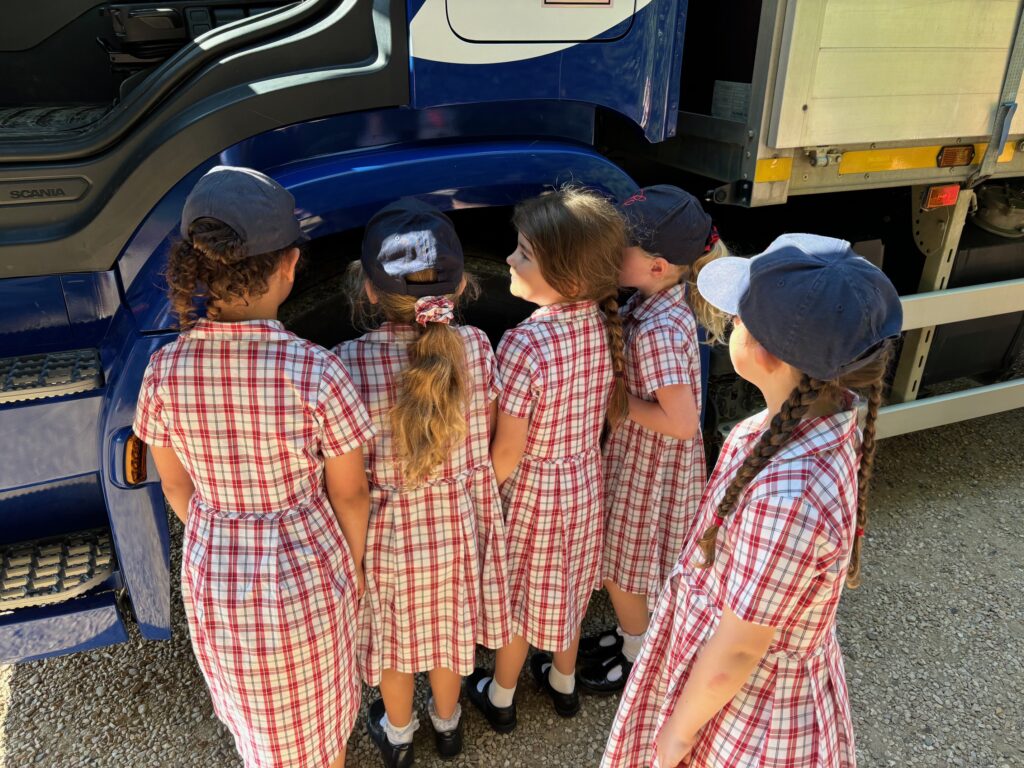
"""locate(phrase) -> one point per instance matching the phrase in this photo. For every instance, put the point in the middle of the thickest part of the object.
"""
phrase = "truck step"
(52, 374)
(46, 571)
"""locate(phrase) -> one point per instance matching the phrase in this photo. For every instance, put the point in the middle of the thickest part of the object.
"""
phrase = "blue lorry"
(109, 113)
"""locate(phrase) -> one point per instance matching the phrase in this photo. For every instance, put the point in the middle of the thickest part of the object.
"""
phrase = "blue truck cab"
(349, 105)
(783, 113)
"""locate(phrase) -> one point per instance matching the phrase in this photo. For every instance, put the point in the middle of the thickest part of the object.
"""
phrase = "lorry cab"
(787, 115)
(114, 112)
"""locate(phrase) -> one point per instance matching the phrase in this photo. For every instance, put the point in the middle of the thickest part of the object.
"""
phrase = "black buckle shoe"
(591, 648)
(449, 743)
(596, 675)
(502, 719)
(395, 756)
(566, 704)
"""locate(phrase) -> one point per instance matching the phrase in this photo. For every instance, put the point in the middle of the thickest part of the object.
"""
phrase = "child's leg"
(397, 689)
(445, 685)
(509, 662)
(339, 761)
(565, 660)
(630, 609)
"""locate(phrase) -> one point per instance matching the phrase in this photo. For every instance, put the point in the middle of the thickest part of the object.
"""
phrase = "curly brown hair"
(214, 265)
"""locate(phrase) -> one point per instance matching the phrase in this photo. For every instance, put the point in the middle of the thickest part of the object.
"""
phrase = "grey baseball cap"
(259, 209)
(810, 301)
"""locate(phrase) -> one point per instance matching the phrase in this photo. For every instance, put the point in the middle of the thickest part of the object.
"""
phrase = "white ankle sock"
(500, 697)
(442, 725)
(402, 735)
(561, 683)
(631, 645)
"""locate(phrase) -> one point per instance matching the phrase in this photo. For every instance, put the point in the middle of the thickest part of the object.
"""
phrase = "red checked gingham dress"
(555, 370)
(268, 581)
(781, 561)
(435, 566)
(653, 482)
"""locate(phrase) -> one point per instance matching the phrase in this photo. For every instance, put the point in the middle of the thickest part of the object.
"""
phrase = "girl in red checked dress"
(561, 372)
(654, 464)
(257, 435)
(741, 666)
(435, 556)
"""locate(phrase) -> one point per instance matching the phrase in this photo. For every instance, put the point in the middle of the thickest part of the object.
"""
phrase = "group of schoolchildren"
(384, 508)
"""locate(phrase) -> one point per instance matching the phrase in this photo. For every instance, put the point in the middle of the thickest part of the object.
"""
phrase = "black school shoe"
(596, 675)
(592, 649)
(566, 704)
(502, 719)
(395, 756)
(449, 743)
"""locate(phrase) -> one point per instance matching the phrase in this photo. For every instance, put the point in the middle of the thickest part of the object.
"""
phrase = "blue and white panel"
(621, 54)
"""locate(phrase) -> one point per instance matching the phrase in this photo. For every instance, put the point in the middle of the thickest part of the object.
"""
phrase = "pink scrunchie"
(434, 309)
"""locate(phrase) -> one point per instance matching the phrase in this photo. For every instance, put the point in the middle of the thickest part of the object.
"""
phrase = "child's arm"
(723, 665)
(174, 480)
(674, 414)
(349, 494)
(508, 445)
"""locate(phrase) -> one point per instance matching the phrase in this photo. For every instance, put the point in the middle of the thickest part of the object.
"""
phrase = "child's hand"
(670, 750)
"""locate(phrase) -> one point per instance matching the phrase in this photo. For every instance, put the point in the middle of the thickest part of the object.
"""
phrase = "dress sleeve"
(519, 373)
(774, 562)
(149, 425)
(661, 353)
(494, 377)
(344, 421)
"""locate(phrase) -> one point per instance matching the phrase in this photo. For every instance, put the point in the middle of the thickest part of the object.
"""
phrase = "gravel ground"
(934, 645)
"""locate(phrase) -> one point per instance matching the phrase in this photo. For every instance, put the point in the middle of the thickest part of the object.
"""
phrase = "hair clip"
(712, 239)
(860, 531)
(718, 520)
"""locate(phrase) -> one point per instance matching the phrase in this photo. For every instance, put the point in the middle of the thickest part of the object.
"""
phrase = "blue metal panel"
(138, 520)
(48, 440)
(341, 191)
(90, 621)
(392, 127)
(92, 298)
(33, 317)
(637, 75)
(51, 509)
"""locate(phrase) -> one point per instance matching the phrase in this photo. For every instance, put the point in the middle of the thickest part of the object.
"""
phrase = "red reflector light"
(950, 157)
(940, 197)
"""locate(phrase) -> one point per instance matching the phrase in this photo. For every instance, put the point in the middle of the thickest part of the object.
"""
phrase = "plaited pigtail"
(867, 462)
(777, 435)
(618, 403)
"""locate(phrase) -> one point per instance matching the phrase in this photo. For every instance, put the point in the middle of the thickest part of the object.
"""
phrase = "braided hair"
(867, 379)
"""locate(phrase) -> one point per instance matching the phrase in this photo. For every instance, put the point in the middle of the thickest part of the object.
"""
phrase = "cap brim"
(723, 282)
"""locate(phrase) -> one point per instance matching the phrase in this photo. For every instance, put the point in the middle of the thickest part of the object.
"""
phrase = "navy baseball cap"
(669, 222)
(409, 236)
(259, 209)
(810, 301)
